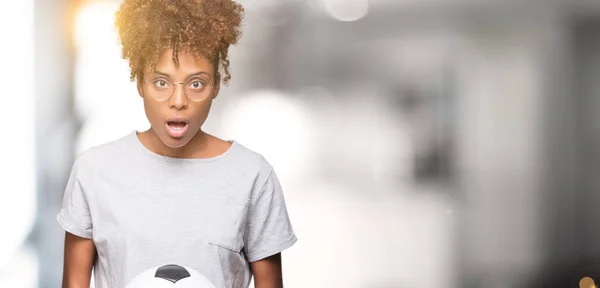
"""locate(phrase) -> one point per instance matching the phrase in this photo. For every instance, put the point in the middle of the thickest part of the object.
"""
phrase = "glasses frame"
(184, 91)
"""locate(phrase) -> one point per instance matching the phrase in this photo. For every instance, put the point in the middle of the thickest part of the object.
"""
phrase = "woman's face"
(175, 118)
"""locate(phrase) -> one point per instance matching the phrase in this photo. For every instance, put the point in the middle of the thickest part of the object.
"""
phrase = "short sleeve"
(74, 217)
(268, 230)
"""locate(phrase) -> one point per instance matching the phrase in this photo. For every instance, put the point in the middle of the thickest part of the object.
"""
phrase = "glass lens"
(197, 90)
(160, 88)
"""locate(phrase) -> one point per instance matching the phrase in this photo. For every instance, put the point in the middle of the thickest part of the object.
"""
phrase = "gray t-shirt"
(144, 210)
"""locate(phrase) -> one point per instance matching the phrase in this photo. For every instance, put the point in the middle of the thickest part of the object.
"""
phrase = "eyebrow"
(189, 76)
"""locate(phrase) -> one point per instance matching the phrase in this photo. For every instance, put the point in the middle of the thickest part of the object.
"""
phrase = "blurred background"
(420, 143)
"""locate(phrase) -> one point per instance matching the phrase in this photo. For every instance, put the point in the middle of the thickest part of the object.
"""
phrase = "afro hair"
(204, 28)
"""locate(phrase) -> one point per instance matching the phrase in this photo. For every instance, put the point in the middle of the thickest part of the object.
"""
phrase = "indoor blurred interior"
(420, 143)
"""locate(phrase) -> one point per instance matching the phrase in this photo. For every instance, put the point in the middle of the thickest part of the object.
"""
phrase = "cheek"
(202, 111)
(152, 111)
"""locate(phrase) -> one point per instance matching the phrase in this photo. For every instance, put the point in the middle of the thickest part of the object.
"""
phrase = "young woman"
(173, 198)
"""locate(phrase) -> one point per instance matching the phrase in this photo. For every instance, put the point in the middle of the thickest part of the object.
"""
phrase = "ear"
(217, 85)
(140, 88)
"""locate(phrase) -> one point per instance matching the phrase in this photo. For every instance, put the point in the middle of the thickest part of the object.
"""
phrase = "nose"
(178, 100)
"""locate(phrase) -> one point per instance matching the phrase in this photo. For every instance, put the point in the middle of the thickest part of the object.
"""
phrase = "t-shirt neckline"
(157, 156)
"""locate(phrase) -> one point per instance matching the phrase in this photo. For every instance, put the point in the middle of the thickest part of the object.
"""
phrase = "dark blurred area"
(420, 143)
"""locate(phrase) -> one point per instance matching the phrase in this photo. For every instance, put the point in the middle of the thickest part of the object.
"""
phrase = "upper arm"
(79, 259)
(268, 228)
(267, 272)
(75, 219)
(75, 216)
(268, 233)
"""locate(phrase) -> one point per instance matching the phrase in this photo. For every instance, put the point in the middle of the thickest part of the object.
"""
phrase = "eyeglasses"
(161, 88)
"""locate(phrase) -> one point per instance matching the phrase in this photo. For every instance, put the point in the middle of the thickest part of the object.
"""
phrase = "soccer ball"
(170, 276)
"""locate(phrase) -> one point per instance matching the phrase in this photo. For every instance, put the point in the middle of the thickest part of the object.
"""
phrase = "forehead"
(188, 64)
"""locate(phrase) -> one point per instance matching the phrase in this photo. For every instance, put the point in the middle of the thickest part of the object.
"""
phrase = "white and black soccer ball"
(170, 276)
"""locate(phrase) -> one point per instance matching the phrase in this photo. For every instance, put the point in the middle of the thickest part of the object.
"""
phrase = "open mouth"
(176, 128)
(176, 125)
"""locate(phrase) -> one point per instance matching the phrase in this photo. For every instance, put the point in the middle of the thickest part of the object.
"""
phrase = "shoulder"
(103, 155)
(252, 161)
(245, 155)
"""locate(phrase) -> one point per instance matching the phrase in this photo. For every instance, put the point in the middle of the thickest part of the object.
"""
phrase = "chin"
(173, 142)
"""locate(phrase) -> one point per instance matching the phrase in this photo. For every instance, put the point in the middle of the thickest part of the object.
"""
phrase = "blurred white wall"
(17, 152)
(105, 99)
(500, 92)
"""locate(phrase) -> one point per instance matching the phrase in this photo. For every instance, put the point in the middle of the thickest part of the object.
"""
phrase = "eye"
(161, 83)
(196, 85)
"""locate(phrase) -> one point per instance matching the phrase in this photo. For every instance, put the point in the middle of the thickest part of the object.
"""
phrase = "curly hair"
(204, 28)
